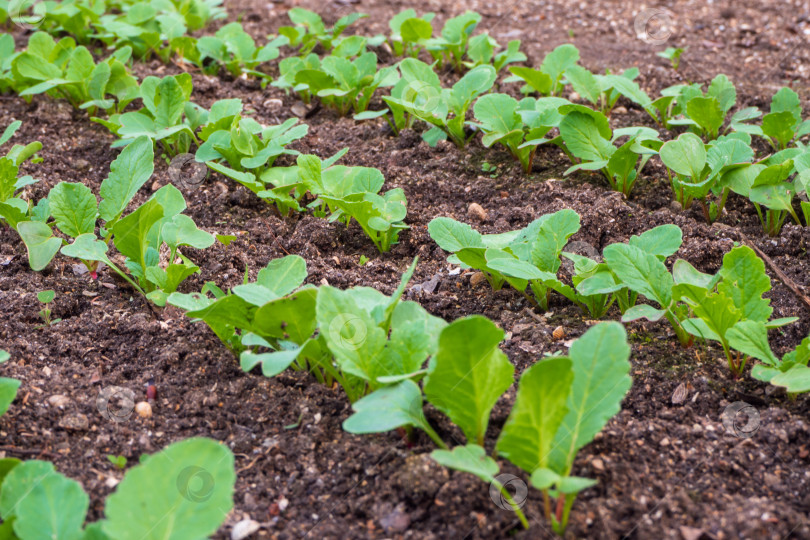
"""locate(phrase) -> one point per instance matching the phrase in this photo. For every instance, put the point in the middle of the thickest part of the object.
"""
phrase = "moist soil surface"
(666, 468)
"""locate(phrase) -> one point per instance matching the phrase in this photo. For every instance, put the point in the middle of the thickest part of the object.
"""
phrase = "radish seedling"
(526, 257)
(233, 49)
(673, 54)
(310, 31)
(409, 33)
(46, 297)
(783, 124)
(700, 170)
(139, 236)
(65, 71)
(242, 142)
(419, 94)
(729, 303)
(14, 209)
(341, 84)
(587, 136)
(167, 116)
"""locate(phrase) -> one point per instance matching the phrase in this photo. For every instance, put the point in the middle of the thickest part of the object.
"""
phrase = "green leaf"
(471, 458)
(131, 233)
(453, 236)
(641, 272)
(795, 380)
(128, 173)
(73, 206)
(44, 503)
(468, 374)
(583, 138)
(584, 83)
(557, 61)
(779, 126)
(601, 380)
(184, 491)
(40, 242)
(707, 112)
(388, 408)
(751, 339)
(351, 334)
(661, 241)
(87, 248)
(686, 155)
(540, 406)
(8, 391)
(745, 281)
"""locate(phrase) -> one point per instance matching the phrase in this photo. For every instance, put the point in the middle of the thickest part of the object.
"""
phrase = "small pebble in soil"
(477, 279)
(74, 422)
(143, 409)
(59, 401)
(244, 528)
(477, 212)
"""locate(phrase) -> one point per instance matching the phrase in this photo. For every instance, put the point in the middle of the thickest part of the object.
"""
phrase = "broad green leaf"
(40, 242)
(292, 318)
(128, 173)
(184, 491)
(557, 61)
(601, 380)
(686, 155)
(661, 241)
(745, 281)
(641, 272)
(707, 112)
(8, 391)
(751, 338)
(584, 83)
(471, 458)
(795, 380)
(388, 408)
(540, 406)
(131, 233)
(351, 334)
(73, 206)
(552, 237)
(453, 236)
(44, 503)
(87, 248)
(583, 137)
(468, 374)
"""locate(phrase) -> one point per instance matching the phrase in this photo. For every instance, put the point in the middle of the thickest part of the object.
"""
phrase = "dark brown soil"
(665, 470)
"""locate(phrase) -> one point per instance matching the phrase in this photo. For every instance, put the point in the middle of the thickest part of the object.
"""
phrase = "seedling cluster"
(389, 355)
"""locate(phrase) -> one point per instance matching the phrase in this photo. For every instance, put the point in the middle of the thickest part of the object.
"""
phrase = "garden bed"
(666, 466)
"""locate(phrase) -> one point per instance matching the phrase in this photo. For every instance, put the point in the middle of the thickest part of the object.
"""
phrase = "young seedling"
(310, 31)
(13, 208)
(673, 54)
(119, 462)
(45, 298)
(167, 116)
(705, 113)
(139, 236)
(728, 307)
(419, 94)
(783, 124)
(553, 416)
(587, 136)
(409, 33)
